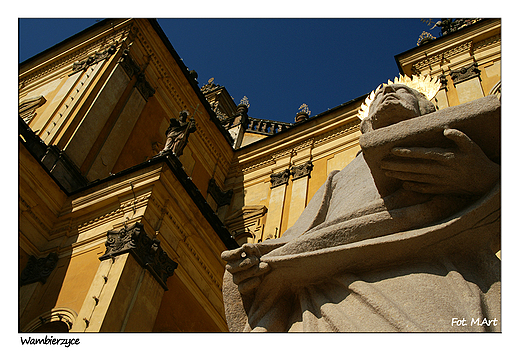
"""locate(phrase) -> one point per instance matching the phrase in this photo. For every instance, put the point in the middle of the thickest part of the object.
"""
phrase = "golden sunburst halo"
(427, 85)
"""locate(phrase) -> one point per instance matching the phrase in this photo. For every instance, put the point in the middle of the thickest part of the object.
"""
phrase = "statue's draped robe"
(356, 262)
(175, 137)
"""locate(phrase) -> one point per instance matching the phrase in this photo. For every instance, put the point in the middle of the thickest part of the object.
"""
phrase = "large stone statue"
(402, 239)
(177, 134)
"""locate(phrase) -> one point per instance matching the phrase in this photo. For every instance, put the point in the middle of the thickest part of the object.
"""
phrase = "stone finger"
(242, 264)
(461, 139)
(428, 153)
(231, 255)
(254, 271)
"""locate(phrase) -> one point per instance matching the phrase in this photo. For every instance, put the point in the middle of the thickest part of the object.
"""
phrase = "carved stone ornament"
(93, 59)
(444, 81)
(221, 198)
(210, 86)
(465, 73)
(27, 107)
(144, 87)
(131, 68)
(147, 252)
(128, 64)
(280, 178)
(38, 269)
(302, 170)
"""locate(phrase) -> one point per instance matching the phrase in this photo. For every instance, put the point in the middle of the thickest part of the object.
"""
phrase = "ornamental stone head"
(394, 103)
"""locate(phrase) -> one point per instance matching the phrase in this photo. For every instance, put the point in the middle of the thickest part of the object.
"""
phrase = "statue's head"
(183, 115)
(403, 98)
(394, 103)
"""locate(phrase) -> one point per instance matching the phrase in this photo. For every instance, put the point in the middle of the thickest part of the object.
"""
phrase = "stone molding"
(164, 77)
(496, 90)
(247, 222)
(203, 265)
(78, 54)
(53, 160)
(27, 107)
(310, 142)
(93, 59)
(417, 67)
(301, 171)
(119, 211)
(338, 132)
(132, 69)
(280, 178)
(146, 251)
(26, 209)
(38, 269)
(467, 46)
(164, 210)
(61, 314)
(465, 73)
(496, 39)
(128, 64)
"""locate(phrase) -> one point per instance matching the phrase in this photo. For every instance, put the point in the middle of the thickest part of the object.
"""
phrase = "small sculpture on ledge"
(177, 134)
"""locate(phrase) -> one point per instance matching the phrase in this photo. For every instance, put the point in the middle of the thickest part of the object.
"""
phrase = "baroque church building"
(118, 231)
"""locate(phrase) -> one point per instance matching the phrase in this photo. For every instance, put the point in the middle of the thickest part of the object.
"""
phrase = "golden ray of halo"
(427, 85)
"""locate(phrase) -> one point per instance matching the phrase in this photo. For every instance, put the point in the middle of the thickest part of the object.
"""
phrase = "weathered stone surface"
(405, 244)
(479, 120)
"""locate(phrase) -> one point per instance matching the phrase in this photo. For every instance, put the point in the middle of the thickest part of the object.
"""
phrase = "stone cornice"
(494, 40)
(111, 215)
(93, 59)
(464, 47)
(77, 55)
(437, 58)
(433, 52)
(312, 141)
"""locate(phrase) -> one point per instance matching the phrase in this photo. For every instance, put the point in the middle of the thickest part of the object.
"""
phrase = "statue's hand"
(463, 170)
(244, 263)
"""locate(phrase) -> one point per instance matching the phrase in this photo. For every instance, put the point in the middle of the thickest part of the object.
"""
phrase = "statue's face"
(393, 103)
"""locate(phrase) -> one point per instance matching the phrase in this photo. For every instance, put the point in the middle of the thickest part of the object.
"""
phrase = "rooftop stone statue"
(402, 239)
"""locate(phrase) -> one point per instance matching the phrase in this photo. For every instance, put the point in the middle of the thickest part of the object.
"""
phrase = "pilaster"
(127, 289)
(300, 176)
(273, 223)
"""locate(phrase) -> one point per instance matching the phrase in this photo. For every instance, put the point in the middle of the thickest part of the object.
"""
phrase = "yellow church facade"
(113, 235)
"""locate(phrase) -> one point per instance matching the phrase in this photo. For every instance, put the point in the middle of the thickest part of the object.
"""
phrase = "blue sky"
(278, 63)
